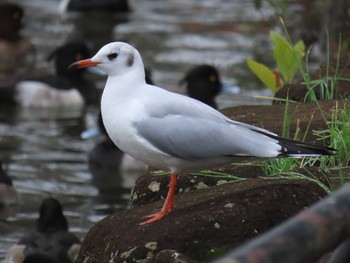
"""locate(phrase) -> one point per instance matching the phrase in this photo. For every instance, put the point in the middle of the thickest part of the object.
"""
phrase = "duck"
(8, 193)
(60, 90)
(50, 241)
(109, 6)
(17, 52)
(203, 83)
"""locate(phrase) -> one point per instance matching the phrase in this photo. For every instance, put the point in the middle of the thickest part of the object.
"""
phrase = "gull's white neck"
(120, 105)
(121, 89)
(120, 98)
(130, 79)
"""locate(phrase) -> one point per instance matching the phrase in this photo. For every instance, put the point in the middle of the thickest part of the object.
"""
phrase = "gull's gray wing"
(191, 138)
(178, 104)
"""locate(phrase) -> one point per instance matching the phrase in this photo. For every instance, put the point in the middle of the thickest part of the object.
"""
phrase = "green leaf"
(299, 48)
(287, 56)
(265, 74)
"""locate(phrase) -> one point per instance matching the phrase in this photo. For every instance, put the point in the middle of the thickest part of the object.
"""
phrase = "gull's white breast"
(121, 111)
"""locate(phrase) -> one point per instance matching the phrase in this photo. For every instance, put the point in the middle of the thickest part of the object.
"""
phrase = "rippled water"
(42, 150)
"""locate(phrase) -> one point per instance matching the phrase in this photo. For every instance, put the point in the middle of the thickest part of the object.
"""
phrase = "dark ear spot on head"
(131, 59)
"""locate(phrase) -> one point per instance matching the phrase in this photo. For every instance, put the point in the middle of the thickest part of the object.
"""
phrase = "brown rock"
(204, 224)
(151, 187)
(172, 256)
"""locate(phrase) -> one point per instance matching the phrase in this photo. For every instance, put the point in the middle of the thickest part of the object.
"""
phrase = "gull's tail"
(291, 148)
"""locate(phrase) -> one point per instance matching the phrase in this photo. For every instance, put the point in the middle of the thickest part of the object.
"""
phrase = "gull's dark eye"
(112, 56)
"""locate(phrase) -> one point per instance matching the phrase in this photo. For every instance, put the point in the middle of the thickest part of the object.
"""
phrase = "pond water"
(42, 149)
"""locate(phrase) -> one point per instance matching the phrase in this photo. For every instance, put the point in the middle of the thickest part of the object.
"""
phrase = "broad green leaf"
(299, 48)
(265, 74)
(287, 56)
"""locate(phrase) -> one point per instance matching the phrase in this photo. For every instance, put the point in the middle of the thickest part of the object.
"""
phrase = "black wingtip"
(293, 148)
(299, 149)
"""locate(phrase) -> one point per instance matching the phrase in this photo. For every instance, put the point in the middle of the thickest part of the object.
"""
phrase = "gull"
(170, 131)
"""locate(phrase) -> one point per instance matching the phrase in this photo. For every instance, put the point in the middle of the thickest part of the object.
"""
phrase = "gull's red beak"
(85, 63)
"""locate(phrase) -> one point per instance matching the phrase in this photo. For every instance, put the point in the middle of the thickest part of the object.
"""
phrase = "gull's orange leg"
(168, 204)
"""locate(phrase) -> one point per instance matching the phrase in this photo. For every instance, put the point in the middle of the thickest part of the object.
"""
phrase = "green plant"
(338, 135)
(285, 167)
(296, 175)
(275, 166)
(287, 56)
(325, 84)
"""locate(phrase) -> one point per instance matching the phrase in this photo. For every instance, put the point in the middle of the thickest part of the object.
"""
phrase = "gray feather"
(196, 138)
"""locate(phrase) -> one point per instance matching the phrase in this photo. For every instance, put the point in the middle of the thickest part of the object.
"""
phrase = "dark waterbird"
(50, 240)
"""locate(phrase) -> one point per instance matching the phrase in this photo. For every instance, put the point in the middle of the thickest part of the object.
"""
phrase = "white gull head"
(119, 58)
